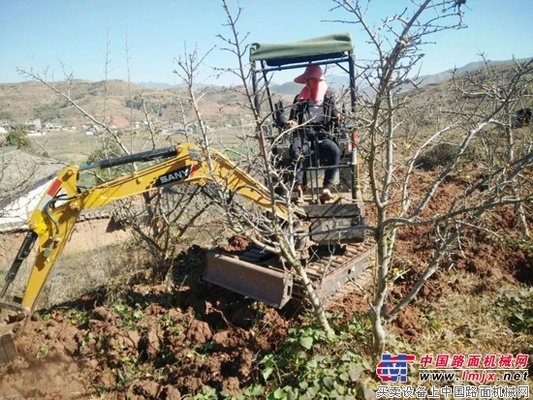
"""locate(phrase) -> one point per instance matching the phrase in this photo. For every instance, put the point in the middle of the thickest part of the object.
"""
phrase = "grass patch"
(517, 308)
(310, 364)
(465, 322)
(472, 322)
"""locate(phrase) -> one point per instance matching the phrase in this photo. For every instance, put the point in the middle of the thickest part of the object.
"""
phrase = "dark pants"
(329, 155)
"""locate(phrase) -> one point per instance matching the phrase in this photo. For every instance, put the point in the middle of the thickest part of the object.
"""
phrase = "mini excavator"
(253, 273)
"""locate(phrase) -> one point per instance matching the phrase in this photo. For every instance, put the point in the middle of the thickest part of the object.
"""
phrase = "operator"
(314, 115)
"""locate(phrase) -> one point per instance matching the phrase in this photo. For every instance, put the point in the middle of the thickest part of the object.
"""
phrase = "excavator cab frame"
(330, 50)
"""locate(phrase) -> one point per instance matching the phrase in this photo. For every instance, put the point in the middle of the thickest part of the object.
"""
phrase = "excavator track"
(329, 274)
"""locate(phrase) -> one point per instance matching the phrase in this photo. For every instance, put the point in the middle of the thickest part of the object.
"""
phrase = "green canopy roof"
(316, 49)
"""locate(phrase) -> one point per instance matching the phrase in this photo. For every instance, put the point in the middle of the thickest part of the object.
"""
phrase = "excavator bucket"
(8, 330)
(8, 351)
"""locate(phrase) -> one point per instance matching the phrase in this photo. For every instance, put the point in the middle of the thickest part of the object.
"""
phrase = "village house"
(24, 179)
(50, 126)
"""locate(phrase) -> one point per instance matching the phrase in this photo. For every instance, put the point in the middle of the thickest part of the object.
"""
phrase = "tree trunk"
(318, 306)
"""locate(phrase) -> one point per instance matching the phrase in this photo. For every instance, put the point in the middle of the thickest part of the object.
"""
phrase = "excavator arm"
(55, 216)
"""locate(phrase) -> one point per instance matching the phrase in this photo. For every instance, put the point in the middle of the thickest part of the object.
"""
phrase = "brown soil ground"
(164, 341)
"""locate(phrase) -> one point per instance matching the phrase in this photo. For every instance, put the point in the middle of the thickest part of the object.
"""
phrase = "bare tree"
(163, 217)
(286, 238)
(392, 155)
(502, 94)
(271, 233)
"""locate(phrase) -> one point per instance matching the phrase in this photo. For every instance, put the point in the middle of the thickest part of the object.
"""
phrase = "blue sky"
(42, 34)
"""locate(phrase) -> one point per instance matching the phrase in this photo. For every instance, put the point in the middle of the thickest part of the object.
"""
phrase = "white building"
(23, 181)
(52, 127)
(34, 124)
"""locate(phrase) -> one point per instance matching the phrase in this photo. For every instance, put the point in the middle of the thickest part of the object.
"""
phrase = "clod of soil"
(236, 244)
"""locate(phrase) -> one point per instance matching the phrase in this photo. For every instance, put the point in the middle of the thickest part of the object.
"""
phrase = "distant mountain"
(286, 88)
(120, 101)
(338, 81)
(155, 85)
(473, 66)
(443, 76)
(480, 64)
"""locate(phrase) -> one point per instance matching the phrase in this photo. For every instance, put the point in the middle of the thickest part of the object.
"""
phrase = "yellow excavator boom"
(55, 216)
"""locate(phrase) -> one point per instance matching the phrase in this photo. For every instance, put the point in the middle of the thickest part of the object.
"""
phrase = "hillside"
(111, 100)
(119, 102)
(185, 337)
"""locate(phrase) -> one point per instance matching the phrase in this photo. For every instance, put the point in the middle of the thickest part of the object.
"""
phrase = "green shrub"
(517, 308)
(18, 138)
(310, 364)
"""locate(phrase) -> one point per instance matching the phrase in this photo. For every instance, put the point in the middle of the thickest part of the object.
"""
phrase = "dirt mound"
(236, 244)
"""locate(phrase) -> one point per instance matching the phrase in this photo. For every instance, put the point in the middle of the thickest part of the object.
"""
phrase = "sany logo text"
(174, 176)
